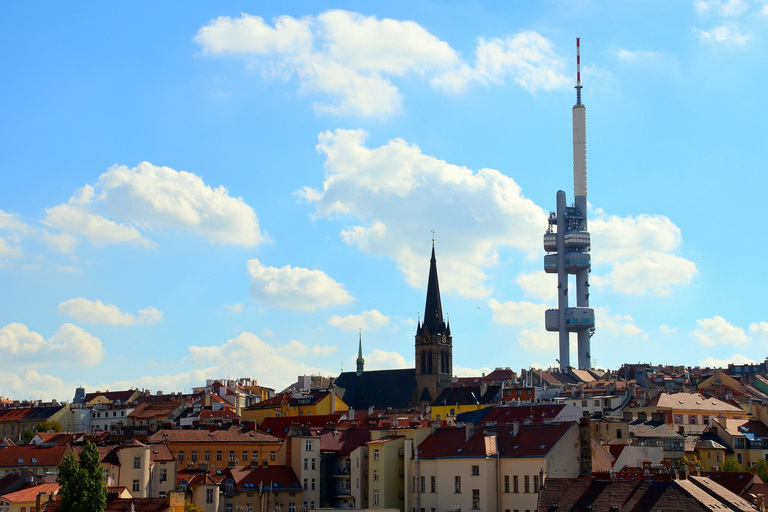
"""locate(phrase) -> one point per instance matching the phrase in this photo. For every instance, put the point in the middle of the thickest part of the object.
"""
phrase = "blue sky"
(208, 190)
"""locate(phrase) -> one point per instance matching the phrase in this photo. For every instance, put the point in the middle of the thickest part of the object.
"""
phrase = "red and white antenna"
(578, 71)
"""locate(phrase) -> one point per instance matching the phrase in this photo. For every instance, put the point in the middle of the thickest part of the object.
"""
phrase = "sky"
(207, 190)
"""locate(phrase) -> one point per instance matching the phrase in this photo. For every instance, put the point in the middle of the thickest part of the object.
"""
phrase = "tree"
(48, 426)
(762, 469)
(82, 482)
(731, 466)
(191, 507)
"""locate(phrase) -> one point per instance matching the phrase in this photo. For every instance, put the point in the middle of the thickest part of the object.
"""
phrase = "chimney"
(643, 416)
(627, 416)
(585, 442)
(469, 431)
(658, 417)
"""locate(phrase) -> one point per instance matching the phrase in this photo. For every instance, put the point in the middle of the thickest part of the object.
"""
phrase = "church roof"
(379, 389)
(434, 322)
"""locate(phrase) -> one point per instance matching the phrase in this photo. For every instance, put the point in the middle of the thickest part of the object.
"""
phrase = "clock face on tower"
(426, 339)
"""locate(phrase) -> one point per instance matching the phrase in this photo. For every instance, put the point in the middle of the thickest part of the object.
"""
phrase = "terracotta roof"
(736, 482)
(112, 396)
(223, 414)
(234, 434)
(30, 455)
(248, 479)
(536, 413)
(55, 437)
(344, 441)
(691, 402)
(721, 493)
(161, 453)
(531, 441)
(29, 494)
(154, 409)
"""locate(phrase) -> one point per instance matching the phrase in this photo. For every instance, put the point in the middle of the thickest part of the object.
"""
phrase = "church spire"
(433, 310)
(360, 360)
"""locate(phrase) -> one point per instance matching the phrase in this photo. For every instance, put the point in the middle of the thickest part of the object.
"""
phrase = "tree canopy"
(731, 466)
(82, 482)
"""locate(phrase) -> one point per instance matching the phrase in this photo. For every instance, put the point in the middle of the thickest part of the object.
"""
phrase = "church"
(410, 387)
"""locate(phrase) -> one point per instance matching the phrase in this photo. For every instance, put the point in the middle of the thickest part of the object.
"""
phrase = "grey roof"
(380, 388)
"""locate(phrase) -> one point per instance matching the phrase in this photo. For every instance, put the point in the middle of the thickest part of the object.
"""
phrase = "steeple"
(360, 360)
(433, 309)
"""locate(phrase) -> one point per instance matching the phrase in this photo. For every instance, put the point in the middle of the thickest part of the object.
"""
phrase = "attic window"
(678, 401)
(20, 461)
(542, 447)
(34, 460)
(515, 448)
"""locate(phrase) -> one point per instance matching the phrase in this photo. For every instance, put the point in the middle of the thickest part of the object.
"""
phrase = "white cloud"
(538, 340)
(295, 287)
(324, 350)
(96, 312)
(62, 242)
(235, 308)
(517, 313)
(25, 350)
(8, 250)
(372, 319)
(463, 371)
(385, 188)
(723, 363)
(351, 58)
(151, 198)
(724, 34)
(639, 252)
(635, 56)
(12, 223)
(617, 325)
(538, 285)
(717, 331)
(666, 329)
(382, 360)
(722, 8)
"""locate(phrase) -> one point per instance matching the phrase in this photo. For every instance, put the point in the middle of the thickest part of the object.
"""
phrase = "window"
(308, 445)
(375, 475)
(305, 484)
(313, 463)
(135, 486)
(194, 456)
(691, 419)
(678, 418)
(583, 403)
(506, 483)
(272, 456)
(291, 507)
(163, 475)
(218, 455)
(207, 455)
(161, 494)
(181, 456)
(535, 483)
(738, 458)
(229, 507)
(306, 463)
(312, 482)
(249, 507)
(527, 484)
(376, 454)
(375, 497)
(618, 433)
(475, 470)
(457, 483)
(423, 484)
(514, 484)
(209, 495)
(432, 484)
(475, 498)
(231, 456)
(245, 456)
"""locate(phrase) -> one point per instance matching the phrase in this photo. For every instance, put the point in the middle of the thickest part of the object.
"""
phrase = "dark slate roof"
(279, 427)
(469, 395)
(506, 414)
(344, 441)
(736, 482)
(380, 388)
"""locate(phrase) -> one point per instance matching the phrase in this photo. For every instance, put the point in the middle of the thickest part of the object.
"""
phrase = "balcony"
(550, 242)
(577, 240)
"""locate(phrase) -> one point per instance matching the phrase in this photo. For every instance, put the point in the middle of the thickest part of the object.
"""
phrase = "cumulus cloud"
(127, 201)
(717, 331)
(635, 56)
(517, 313)
(372, 319)
(639, 250)
(295, 287)
(723, 363)
(8, 250)
(23, 349)
(537, 285)
(385, 188)
(235, 308)
(351, 59)
(383, 360)
(724, 34)
(96, 312)
(617, 325)
(538, 340)
(721, 8)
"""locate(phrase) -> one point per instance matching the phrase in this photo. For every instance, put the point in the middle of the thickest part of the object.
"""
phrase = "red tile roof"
(29, 494)
(279, 427)
(235, 434)
(30, 455)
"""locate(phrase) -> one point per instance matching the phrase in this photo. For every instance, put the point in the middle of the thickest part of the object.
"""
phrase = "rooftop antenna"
(578, 71)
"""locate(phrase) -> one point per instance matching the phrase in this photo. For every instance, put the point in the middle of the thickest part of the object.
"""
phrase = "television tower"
(567, 244)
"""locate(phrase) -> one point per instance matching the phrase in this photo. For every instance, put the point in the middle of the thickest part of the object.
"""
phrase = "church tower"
(360, 361)
(434, 345)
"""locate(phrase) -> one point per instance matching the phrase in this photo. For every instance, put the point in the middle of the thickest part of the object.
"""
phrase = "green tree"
(48, 426)
(731, 466)
(762, 469)
(191, 507)
(82, 482)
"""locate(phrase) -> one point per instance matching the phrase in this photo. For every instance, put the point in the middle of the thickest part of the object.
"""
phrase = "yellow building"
(25, 500)
(318, 402)
(219, 448)
(690, 412)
